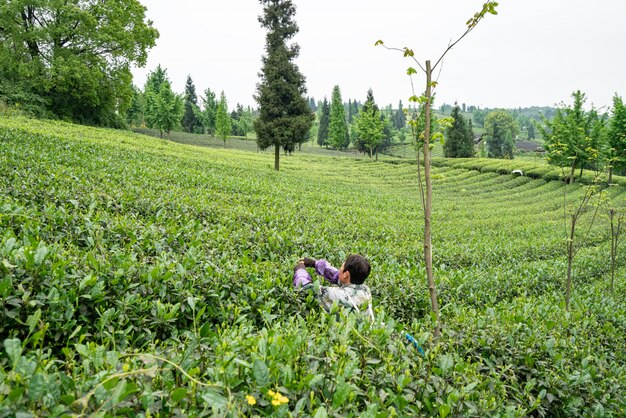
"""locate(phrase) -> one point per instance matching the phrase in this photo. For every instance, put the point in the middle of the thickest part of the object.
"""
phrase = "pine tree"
(338, 136)
(191, 122)
(531, 130)
(322, 133)
(285, 117)
(399, 119)
(459, 137)
(223, 122)
(369, 126)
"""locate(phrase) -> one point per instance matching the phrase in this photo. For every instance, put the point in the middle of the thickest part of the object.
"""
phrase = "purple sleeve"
(301, 277)
(324, 269)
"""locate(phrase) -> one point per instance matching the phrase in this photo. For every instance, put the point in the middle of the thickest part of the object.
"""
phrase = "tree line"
(158, 107)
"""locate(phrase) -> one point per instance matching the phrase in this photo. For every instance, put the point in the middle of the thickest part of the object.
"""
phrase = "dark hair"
(359, 268)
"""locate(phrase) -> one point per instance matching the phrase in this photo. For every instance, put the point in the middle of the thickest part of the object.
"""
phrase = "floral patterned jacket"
(354, 296)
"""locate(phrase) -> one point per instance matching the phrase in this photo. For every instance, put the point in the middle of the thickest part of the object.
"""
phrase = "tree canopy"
(72, 59)
(574, 137)
(369, 125)
(338, 135)
(459, 137)
(501, 130)
(191, 121)
(617, 137)
(284, 113)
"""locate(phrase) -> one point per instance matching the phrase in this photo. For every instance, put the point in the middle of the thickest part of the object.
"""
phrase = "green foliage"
(617, 137)
(369, 126)
(223, 122)
(575, 138)
(459, 137)
(136, 110)
(501, 129)
(123, 294)
(73, 59)
(322, 133)
(399, 119)
(242, 120)
(284, 114)
(338, 135)
(191, 120)
(209, 113)
(163, 108)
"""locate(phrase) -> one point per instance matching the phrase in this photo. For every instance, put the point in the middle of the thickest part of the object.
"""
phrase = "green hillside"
(142, 277)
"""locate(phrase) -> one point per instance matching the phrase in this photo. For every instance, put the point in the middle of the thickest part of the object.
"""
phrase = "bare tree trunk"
(428, 250)
(571, 174)
(570, 261)
(613, 246)
(610, 175)
(277, 157)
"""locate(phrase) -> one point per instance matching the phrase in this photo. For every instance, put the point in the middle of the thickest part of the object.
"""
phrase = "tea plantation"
(141, 277)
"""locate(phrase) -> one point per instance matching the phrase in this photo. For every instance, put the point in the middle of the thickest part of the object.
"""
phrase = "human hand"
(308, 262)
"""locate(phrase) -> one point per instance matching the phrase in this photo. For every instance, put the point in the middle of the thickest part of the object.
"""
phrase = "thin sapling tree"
(425, 138)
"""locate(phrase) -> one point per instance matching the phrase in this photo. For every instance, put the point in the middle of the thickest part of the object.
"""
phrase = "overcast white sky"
(534, 52)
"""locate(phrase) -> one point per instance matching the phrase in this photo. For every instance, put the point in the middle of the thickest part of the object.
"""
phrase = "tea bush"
(141, 277)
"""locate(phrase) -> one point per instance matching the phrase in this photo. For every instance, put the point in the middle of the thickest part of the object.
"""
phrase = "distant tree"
(464, 108)
(244, 121)
(369, 126)
(500, 128)
(223, 122)
(73, 59)
(209, 113)
(135, 112)
(573, 137)
(155, 79)
(399, 118)
(163, 108)
(285, 116)
(617, 138)
(191, 121)
(338, 136)
(479, 117)
(322, 133)
(531, 130)
(388, 133)
(350, 112)
(470, 135)
(459, 139)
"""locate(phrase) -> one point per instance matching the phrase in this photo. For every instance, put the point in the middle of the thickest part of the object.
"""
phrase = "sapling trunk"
(276, 157)
(428, 251)
(570, 260)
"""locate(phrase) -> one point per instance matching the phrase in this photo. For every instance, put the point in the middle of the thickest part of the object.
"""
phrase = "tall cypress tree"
(191, 121)
(284, 114)
(369, 126)
(399, 119)
(459, 139)
(322, 133)
(338, 136)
